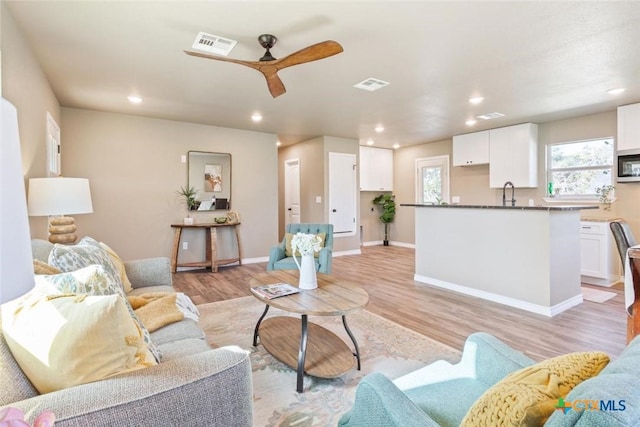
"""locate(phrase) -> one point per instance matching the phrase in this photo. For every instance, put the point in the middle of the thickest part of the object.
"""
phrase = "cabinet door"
(365, 167)
(376, 169)
(513, 156)
(342, 192)
(629, 127)
(471, 149)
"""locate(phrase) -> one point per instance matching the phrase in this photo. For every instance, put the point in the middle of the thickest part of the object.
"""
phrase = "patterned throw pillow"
(117, 262)
(529, 395)
(61, 341)
(41, 267)
(86, 253)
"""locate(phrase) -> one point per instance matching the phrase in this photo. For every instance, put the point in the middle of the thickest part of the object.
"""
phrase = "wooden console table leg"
(212, 254)
(235, 228)
(174, 251)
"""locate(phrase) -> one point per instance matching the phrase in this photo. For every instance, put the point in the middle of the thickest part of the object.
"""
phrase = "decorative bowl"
(220, 219)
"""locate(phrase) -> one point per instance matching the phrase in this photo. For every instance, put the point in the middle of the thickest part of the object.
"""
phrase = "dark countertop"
(519, 208)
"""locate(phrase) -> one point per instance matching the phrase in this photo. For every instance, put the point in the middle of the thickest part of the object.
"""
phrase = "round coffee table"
(283, 336)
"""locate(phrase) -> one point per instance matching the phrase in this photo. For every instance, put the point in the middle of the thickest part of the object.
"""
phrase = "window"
(432, 180)
(576, 169)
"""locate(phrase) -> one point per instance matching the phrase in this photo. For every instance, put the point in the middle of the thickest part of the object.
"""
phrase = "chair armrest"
(149, 272)
(489, 359)
(275, 254)
(324, 260)
(209, 388)
(380, 403)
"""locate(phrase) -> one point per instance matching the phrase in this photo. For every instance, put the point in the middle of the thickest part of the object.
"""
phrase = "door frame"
(287, 189)
(446, 186)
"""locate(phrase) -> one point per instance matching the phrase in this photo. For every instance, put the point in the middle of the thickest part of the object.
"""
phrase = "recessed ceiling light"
(256, 117)
(134, 99)
(379, 128)
(470, 122)
(370, 142)
(476, 99)
(396, 145)
(278, 143)
(616, 91)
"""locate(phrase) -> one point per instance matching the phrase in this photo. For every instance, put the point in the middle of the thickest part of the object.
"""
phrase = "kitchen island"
(522, 256)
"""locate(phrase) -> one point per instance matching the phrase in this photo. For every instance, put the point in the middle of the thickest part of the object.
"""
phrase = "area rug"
(384, 347)
(596, 295)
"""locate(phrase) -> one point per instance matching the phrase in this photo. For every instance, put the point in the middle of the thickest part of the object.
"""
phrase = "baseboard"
(597, 281)
(391, 243)
(349, 252)
(511, 302)
(255, 260)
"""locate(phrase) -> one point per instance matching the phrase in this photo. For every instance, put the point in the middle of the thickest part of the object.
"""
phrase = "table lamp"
(56, 197)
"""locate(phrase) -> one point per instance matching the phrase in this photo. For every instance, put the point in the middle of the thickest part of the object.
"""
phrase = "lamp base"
(62, 230)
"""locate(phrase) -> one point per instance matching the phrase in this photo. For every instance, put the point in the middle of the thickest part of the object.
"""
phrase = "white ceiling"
(533, 61)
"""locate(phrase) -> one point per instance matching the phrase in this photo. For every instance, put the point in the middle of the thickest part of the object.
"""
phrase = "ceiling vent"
(213, 44)
(371, 84)
(490, 116)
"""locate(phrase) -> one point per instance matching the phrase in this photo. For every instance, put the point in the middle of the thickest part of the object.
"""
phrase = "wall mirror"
(210, 174)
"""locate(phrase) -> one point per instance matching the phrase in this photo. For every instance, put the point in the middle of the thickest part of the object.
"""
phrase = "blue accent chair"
(279, 261)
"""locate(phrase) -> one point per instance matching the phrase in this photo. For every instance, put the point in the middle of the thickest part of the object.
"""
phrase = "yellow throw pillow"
(65, 340)
(119, 265)
(289, 236)
(528, 396)
(41, 267)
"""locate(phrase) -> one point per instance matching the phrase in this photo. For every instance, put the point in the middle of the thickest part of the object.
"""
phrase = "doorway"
(292, 191)
(432, 180)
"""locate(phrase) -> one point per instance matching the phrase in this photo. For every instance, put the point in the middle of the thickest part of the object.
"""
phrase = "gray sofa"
(193, 385)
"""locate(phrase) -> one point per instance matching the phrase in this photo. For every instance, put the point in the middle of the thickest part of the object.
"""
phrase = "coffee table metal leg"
(353, 339)
(302, 354)
(255, 332)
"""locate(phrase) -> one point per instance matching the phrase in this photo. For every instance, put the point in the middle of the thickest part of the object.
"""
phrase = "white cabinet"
(598, 262)
(513, 156)
(471, 149)
(376, 169)
(629, 127)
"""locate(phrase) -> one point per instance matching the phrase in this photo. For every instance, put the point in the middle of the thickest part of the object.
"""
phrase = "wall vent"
(213, 44)
(371, 84)
(490, 116)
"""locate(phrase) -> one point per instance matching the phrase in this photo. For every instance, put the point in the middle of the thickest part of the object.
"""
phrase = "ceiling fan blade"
(276, 87)
(308, 54)
(251, 64)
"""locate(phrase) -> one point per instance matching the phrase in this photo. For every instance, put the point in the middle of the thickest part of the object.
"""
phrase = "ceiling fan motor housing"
(267, 41)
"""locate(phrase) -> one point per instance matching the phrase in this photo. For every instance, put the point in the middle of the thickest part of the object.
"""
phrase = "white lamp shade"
(59, 196)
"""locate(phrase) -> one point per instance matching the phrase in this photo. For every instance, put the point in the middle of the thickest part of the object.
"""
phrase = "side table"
(211, 243)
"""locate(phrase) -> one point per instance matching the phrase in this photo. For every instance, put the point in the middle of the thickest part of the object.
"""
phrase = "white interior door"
(432, 180)
(292, 191)
(342, 193)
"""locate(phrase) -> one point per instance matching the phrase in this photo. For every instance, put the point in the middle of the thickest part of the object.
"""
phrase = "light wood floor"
(387, 275)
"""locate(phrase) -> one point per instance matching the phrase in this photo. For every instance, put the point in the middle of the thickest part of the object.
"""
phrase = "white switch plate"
(455, 199)
(318, 199)
(183, 158)
(185, 245)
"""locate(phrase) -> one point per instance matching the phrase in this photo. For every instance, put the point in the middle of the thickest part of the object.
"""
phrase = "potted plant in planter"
(189, 194)
(388, 204)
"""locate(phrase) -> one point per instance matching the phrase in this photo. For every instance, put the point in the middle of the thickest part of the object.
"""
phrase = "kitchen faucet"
(504, 198)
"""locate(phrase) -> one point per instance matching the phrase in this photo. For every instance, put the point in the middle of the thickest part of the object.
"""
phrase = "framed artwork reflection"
(213, 178)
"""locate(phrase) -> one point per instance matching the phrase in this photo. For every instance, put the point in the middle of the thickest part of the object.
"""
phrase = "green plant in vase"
(189, 194)
(388, 204)
(605, 193)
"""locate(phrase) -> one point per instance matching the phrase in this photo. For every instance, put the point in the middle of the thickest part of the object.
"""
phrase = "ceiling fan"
(269, 66)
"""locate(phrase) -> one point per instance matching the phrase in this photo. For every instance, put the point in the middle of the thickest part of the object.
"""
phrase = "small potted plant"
(189, 194)
(604, 193)
(388, 204)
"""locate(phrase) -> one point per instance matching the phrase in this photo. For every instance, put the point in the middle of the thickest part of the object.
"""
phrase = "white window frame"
(446, 177)
(591, 198)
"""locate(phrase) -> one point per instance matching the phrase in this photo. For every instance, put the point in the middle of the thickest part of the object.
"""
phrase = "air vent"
(490, 116)
(371, 84)
(213, 44)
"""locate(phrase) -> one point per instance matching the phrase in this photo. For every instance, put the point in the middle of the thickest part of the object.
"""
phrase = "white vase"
(307, 267)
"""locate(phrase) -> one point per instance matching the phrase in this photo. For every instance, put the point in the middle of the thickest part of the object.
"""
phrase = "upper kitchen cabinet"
(629, 127)
(471, 149)
(376, 169)
(513, 156)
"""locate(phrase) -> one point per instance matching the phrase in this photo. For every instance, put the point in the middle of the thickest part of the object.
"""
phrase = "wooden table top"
(332, 297)
(205, 225)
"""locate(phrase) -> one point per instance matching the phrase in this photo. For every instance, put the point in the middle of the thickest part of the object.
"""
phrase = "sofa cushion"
(92, 280)
(529, 395)
(150, 289)
(181, 348)
(183, 329)
(61, 341)
(15, 384)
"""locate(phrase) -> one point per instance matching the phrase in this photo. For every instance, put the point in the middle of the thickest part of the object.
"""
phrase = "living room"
(133, 163)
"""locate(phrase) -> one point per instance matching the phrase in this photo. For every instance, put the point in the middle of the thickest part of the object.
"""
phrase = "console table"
(211, 243)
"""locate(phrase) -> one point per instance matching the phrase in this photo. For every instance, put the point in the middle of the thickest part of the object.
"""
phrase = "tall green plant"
(189, 194)
(388, 204)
